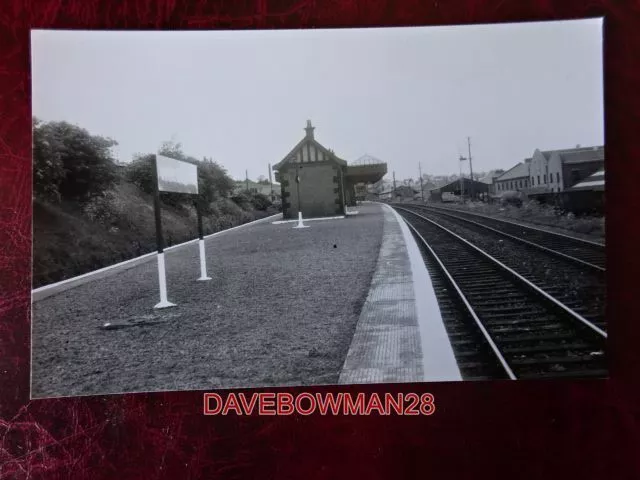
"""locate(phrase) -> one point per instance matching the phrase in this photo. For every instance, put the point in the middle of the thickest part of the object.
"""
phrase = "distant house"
(406, 192)
(490, 179)
(241, 186)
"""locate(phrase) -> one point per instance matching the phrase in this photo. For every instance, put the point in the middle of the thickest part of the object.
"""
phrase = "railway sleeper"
(545, 348)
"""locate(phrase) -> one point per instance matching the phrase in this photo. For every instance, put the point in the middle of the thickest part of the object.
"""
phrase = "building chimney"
(309, 130)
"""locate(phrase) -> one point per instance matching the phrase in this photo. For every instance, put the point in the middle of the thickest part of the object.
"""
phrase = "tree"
(48, 169)
(263, 180)
(70, 163)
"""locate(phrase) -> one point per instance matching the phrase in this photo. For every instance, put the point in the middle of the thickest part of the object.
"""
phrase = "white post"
(203, 263)
(162, 277)
(300, 224)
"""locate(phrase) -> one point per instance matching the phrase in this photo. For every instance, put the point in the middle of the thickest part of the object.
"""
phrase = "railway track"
(501, 325)
(582, 252)
(575, 284)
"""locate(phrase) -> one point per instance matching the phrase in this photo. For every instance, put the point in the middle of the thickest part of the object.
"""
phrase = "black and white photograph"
(240, 209)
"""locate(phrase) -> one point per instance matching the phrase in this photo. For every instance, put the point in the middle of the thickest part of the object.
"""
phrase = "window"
(545, 178)
(558, 179)
(533, 181)
(546, 169)
(538, 179)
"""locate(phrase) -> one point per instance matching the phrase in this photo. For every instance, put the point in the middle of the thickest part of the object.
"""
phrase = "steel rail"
(510, 222)
(438, 211)
(495, 349)
(537, 290)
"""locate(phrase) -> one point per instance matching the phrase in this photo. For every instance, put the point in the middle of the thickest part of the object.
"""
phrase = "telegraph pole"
(460, 160)
(470, 169)
(270, 182)
(421, 186)
(246, 176)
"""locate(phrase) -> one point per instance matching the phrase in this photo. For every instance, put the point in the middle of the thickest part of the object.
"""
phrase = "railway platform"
(400, 335)
(281, 309)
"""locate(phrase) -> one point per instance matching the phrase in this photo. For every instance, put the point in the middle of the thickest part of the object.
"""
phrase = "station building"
(315, 181)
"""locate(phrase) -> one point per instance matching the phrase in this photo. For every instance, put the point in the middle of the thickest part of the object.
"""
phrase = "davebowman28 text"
(305, 403)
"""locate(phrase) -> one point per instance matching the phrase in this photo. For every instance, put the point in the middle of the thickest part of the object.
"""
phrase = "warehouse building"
(315, 181)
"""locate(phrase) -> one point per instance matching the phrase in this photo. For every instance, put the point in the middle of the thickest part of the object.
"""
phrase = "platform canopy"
(366, 173)
(366, 169)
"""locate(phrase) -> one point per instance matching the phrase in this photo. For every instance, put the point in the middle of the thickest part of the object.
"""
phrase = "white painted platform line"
(48, 290)
(279, 222)
(438, 359)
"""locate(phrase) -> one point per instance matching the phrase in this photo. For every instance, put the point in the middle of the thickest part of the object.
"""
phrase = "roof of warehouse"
(578, 154)
(518, 171)
(478, 187)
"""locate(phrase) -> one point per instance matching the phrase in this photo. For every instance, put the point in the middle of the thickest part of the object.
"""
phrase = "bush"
(242, 200)
(260, 201)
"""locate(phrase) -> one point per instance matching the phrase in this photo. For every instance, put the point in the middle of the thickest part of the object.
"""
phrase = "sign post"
(162, 274)
(178, 177)
(300, 223)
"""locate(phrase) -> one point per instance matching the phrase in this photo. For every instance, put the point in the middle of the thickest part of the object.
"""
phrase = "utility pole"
(470, 168)
(246, 176)
(421, 185)
(461, 179)
(270, 182)
(298, 189)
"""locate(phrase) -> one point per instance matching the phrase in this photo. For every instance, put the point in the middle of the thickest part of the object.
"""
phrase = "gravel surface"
(281, 310)
(581, 290)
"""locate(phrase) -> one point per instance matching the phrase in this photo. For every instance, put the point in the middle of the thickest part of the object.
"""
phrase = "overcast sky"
(404, 95)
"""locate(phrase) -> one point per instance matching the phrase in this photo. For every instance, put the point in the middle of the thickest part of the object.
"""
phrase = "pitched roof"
(577, 155)
(488, 178)
(519, 170)
(328, 153)
(594, 154)
(594, 181)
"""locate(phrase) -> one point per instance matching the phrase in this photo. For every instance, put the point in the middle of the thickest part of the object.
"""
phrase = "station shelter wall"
(321, 192)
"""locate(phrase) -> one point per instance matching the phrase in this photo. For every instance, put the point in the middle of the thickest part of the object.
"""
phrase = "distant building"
(514, 179)
(462, 187)
(315, 181)
(406, 192)
(558, 170)
(490, 179)
(241, 186)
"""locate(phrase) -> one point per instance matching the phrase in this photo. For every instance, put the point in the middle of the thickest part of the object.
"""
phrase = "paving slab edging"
(400, 336)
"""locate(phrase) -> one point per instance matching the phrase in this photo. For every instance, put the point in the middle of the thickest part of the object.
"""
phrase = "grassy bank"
(70, 240)
(588, 227)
